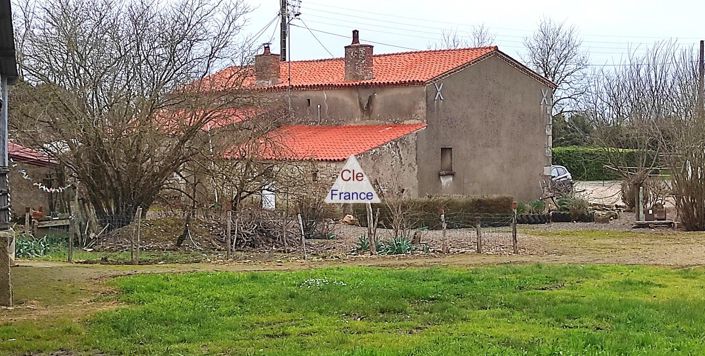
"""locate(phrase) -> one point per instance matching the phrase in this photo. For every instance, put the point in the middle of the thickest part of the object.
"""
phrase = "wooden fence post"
(27, 221)
(515, 243)
(72, 231)
(228, 237)
(444, 246)
(478, 231)
(235, 231)
(370, 230)
(303, 236)
(284, 225)
(139, 228)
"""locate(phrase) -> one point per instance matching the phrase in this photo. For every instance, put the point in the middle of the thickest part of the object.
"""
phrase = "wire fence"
(221, 234)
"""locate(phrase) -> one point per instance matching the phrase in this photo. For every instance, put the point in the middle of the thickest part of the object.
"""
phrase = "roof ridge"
(357, 125)
(493, 48)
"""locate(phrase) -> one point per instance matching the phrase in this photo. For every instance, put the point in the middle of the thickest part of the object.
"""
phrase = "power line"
(259, 33)
(274, 31)
(314, 36)
(337, 16)
(416, 20)
(366, 40)
(504, 43)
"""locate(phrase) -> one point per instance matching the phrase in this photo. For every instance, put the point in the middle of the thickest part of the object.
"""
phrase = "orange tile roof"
(329, 143)
(404, 68)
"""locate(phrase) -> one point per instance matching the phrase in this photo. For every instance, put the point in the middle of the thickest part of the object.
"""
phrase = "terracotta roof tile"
(404, 68)
(330, 143)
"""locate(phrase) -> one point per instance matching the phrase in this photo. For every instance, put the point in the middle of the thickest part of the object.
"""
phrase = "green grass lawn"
(534, 309)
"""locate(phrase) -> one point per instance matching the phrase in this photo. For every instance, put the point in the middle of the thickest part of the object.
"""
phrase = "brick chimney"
(266, 67)
(358, 60)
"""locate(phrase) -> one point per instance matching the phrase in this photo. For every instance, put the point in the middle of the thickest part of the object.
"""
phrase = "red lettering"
(342, 175)
(350, 175)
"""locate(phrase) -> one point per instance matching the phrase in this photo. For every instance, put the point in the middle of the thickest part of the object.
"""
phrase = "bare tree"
(647, 104)
(115, 90)
(554, 52)
(480, 36)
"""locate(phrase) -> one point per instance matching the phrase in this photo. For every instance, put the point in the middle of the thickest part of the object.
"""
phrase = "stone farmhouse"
(470, 121)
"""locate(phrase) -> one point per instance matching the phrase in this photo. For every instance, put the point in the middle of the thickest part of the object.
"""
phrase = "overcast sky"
(609, 28)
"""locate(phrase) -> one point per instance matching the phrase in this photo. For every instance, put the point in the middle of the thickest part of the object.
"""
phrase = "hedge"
(460, 212)
(588, 163)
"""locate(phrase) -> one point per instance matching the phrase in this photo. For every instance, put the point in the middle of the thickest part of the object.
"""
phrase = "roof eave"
(496, 52)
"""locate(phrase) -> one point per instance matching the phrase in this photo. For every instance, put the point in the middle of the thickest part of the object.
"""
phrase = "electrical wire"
(316, 37)
(259, 33)
(370, 41)
(327, 6)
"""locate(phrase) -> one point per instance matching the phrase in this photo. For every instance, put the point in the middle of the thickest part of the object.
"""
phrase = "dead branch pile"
(254, 228)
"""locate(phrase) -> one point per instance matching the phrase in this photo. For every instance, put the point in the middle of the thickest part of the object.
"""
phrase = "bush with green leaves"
(460, 211)
(578, 208)
(588, 163)
(397, 245)
(537, 206)
(363, 244)
(28, 246)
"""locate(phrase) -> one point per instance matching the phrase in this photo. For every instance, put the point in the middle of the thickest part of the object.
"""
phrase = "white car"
(560, 174)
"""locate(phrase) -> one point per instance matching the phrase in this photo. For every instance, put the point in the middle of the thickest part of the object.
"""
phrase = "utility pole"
(284, 27)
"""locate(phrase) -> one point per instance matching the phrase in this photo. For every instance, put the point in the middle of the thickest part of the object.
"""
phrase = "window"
(446, 160)
(308, 102)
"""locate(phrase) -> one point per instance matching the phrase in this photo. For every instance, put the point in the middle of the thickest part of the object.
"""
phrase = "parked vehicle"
(562, 180)
(560, 173)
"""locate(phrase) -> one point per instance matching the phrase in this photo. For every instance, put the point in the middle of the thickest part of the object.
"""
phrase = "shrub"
(315, 217)
(363, 244)
(397, 245)
(425, 212)
(655, 191)
(28, 246)
(577, 208)
(537, 206)
(588, 163)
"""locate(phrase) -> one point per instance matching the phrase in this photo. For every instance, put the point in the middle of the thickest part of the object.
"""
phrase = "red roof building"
(330, 143)
(470, 121)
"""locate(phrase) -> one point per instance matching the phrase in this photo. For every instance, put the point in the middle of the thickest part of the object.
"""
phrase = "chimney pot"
(356, 37)
(266, 49)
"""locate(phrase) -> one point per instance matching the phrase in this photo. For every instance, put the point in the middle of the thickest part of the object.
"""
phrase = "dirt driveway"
(600, 192)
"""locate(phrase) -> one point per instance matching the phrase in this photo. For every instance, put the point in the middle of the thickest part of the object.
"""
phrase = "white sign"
(352, 185)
